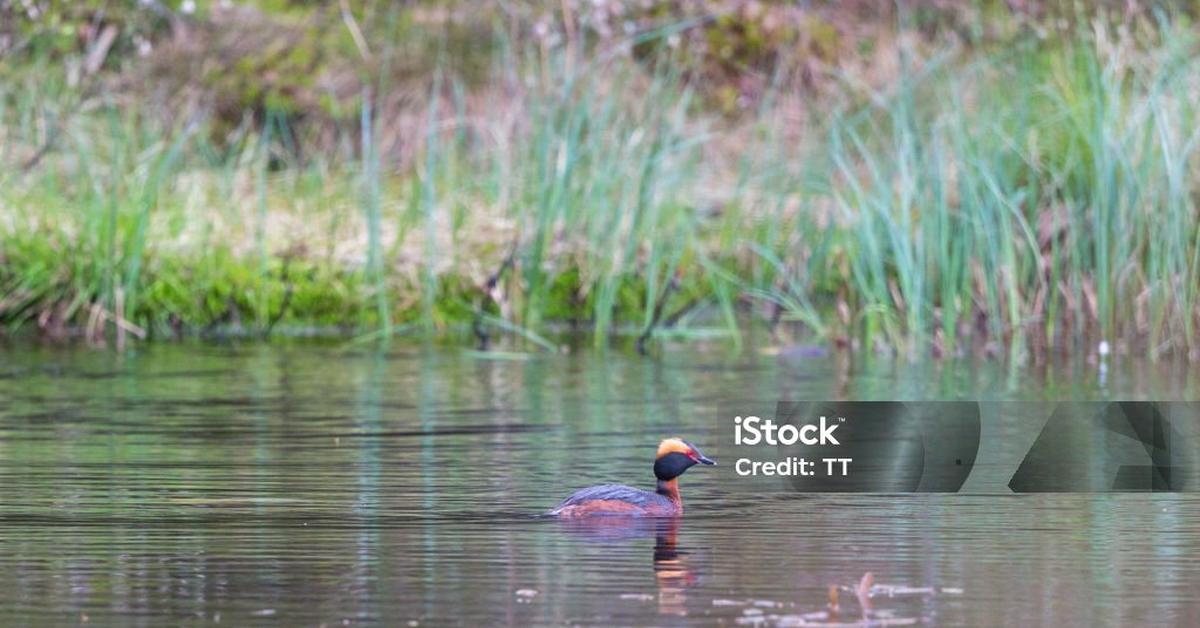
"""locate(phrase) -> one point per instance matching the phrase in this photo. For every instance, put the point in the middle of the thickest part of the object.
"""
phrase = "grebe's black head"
(676, 456)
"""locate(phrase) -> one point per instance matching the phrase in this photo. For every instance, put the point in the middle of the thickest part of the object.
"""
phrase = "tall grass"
(1037, 199)
(1029, 200)
(376, 275)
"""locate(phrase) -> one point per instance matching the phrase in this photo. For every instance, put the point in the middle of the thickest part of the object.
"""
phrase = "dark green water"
(310, 485)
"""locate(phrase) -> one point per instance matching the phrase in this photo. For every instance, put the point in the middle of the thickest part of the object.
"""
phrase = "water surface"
(311, 484)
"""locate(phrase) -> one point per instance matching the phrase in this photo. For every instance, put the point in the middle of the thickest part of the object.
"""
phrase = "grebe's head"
(676, 456)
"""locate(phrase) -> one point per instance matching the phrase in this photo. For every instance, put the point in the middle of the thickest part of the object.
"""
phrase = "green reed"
(1033, 199)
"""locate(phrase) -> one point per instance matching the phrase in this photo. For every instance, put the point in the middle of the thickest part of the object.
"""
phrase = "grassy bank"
(1030, 198)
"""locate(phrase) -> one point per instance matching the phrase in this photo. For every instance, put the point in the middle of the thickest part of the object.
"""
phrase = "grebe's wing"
(618, 492)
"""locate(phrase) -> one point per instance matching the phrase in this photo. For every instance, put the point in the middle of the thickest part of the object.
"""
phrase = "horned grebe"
(673, 458)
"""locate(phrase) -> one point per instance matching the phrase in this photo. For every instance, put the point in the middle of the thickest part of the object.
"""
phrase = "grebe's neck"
(670, 490)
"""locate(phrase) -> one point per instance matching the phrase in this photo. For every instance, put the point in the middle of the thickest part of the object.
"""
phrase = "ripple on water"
(306, 484)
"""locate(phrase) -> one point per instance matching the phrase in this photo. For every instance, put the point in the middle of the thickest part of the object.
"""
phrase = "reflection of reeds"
(1030, 201)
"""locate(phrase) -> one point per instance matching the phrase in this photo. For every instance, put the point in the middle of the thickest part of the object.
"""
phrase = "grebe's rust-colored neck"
(670, 490)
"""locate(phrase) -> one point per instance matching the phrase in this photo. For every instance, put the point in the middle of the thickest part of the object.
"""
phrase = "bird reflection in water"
(673, 576)
(671, 571)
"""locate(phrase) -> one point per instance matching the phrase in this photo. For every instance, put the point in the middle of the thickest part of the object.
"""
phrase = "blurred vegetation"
(923, 177)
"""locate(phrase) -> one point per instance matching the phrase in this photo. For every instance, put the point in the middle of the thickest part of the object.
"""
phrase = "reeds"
(1028, 200)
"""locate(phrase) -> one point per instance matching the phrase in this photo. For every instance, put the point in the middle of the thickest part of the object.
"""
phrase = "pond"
(310, 483)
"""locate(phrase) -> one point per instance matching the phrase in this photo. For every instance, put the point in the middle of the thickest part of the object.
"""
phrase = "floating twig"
(671, 287)
(491, 294)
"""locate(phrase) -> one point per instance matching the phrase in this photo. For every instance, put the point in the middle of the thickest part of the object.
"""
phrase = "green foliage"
(1039, 196)
(55, 29)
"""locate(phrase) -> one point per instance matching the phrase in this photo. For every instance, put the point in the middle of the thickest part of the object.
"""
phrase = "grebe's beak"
(699, 457)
